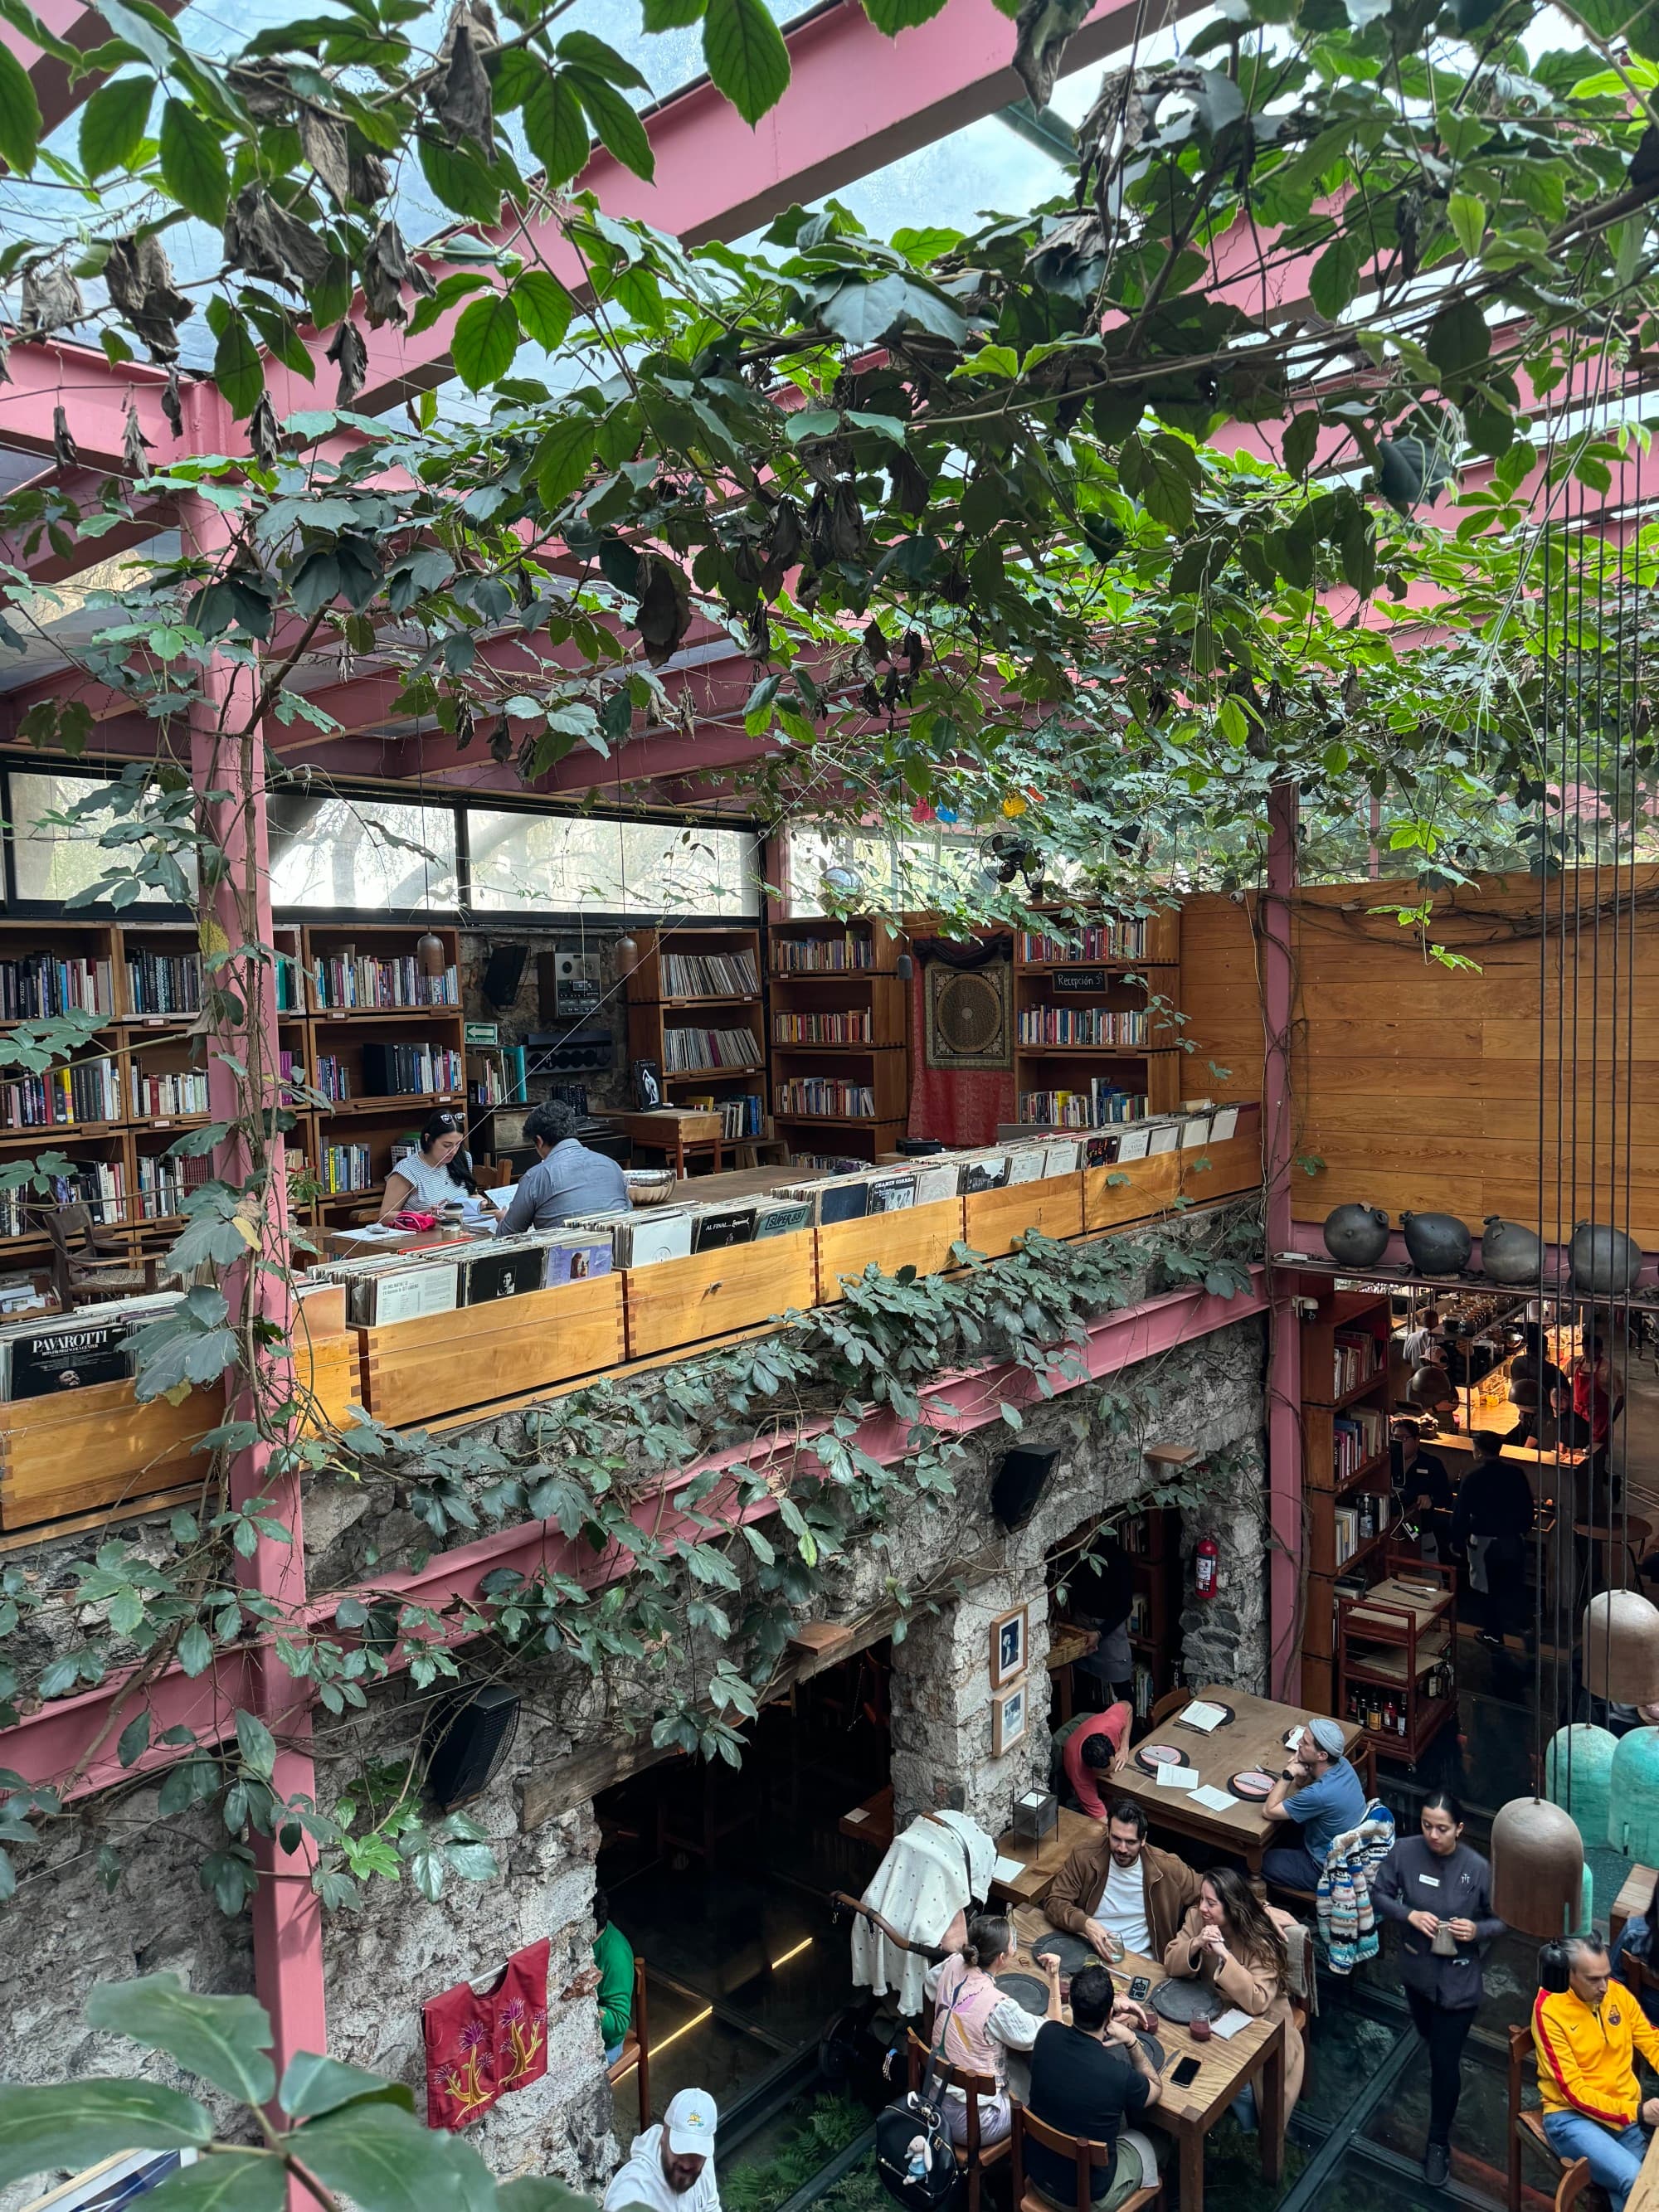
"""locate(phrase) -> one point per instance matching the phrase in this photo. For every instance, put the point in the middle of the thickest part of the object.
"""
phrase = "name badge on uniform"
(1429, 1880)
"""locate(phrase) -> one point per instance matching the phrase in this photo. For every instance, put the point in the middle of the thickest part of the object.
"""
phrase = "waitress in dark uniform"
(1437, 1890)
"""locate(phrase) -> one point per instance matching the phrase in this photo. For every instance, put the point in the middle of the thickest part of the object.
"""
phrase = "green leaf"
(135, 1739)
(746, 55)
(554, 128)
(544, 307)
(461, 180)
(485, 339)
(195, 1650)
(619, 130)
(892, 16)
(580, 49)
(561, 460)
(1301, 442)
(1334, 278)
(238, 370)
(78, 2123)
(20, 114)
(258, 1749)
(248, 2181)
(1468, 217)
(193, 162)
(222, 2039)
(312, 2085)
(671, 15)
(112, 123)
(386, 2161)
(1458, 342)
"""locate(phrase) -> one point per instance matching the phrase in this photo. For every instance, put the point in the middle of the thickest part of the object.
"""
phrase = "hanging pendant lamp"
(1578, 1776)
(1621, 1648)
(1633, 1808)
(1537, 1867)
(430, 955)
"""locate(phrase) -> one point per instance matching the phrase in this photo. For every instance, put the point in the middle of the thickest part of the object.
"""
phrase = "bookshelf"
(1152, 1540)
(695, 1012)
(841, 1069)
(1347, 1471)
(1081, 1020)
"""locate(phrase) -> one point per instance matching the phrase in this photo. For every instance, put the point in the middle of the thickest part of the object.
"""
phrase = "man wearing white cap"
(671, 2167)
(1322, 1795)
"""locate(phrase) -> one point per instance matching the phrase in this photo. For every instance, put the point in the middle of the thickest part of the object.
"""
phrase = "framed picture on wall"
(1008, 1717)
(1008, 1634)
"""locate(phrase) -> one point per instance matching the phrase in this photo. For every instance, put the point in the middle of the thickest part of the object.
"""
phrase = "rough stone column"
(1224, 1638)
(941, 1700)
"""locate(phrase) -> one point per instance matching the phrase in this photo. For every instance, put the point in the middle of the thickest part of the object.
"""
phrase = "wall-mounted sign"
(1080, 979)
(482, 1033)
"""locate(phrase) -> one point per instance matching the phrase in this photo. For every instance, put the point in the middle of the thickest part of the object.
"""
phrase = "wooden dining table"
(1254, 2056)
(1254, 1737)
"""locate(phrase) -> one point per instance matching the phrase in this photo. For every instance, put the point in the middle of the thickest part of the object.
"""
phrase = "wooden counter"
(997, 1219)
(443, 1363)
(919, 1236)
(678, 1302)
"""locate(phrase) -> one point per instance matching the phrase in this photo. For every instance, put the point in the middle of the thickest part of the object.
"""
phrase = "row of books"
(674, 1232)
(345, 1168)
(1358, 1356)
(332, 1079)
(829, 1098)
(393, 1071)
(168, 1095)
(87, 1091)
(1096, 1107)
(1356, 1525)
(1359, 1436)
(44, 1358)
(709, 975)
(366, 982)
(739, 1117)
(392, 1286)
(821, 955)
(499, 1080)
(855, 1027)
(1119, 1025)
(164, 983)
(164, 1183)
(1111, 940)
(690, 1051)
(100, 1185)
(39, 984)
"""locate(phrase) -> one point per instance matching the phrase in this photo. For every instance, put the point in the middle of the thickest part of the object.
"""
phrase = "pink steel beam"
(44, 375)
(46, 1744)
(1284, 1334)
(77, 25)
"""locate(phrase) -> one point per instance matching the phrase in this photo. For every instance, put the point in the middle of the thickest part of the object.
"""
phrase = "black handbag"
(915, 2157)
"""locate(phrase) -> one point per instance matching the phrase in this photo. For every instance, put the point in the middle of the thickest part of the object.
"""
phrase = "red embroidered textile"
(477, 2046)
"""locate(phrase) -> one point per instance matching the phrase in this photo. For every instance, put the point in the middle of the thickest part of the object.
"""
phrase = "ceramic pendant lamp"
(1579, 1775)
(1633, 1814)
(1537, 1867)
(1621, 1648)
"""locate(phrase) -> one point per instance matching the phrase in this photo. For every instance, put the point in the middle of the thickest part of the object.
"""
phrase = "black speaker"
(1019, 1484)
(502, 972)
(470, 1734)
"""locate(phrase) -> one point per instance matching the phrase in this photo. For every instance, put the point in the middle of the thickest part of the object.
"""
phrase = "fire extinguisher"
(1208, 1560)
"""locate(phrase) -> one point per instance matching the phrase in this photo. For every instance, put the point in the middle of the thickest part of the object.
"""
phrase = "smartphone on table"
(1141, 1988)
(1185, 2072)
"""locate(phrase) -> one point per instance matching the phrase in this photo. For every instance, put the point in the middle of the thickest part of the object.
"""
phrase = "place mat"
(1183, 2001)
(1152, 1756)
(1221, 1706)
(1072, 1953)
(1028, 1991)
(1254, 1784)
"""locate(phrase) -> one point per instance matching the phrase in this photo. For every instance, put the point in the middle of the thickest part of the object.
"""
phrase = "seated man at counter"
(1081, 2086)
(1586, 2036)
(1320, 1793)
(566, 1177)
(1119, 1893)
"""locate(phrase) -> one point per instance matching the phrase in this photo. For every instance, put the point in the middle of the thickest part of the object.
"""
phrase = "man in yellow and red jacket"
(1586, 2036)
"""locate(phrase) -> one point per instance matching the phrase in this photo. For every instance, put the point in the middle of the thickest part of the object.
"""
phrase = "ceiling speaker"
(1019, 1484)
(470, 1734)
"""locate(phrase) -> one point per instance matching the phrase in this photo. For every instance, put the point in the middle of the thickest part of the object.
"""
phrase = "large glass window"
(896, 875)
(54, 861)
(332, 851)
(575, 864)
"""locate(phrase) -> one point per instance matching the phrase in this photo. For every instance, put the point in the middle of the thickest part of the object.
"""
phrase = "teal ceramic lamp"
(1579, 1775)
(1633, 1814)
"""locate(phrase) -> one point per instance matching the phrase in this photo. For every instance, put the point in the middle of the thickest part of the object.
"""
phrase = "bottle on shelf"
(1373, 1714)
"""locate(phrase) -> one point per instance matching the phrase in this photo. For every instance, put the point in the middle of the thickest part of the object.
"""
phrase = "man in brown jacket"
(1118, 1892)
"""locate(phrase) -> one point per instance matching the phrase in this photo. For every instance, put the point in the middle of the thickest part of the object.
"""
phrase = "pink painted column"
(1283, 1334)
(227, 757)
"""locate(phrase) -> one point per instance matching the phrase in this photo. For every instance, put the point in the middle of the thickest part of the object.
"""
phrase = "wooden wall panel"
(1417, 1085)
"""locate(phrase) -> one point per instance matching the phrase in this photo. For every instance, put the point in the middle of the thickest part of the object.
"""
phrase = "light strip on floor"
(697, 2020)
(804, 1945)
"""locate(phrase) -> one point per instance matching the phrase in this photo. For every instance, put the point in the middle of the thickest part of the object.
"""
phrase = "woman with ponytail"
(983, 2025)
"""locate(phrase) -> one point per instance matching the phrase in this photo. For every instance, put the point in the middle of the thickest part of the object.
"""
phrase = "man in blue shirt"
(1320, 1792)
(566, 1179)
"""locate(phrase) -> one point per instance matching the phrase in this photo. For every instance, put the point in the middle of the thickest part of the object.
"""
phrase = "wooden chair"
(1172, 1701)
(492, 1175)
(84, 1261)
(1574, 2184)
(1086, 2156)
(635, 2056)
(1526, 2126)
(972, 2156)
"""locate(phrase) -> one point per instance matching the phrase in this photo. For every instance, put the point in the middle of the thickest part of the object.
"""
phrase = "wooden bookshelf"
(1082, 1014)
(838, 1023)
(666, 1015)
(1396, 1657)
(1350, 1327)
(1152, 1540)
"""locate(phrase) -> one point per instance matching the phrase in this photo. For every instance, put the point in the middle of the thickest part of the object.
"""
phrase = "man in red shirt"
(1097, 1747)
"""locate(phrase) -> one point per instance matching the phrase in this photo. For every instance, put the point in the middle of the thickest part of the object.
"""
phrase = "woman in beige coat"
(1230, 1938)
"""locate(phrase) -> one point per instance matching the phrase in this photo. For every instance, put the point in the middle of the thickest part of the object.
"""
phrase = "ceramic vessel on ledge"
(1357, 1235)
(1438, 1242)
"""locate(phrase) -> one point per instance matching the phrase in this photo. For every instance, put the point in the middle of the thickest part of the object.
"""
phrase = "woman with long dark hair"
(1436, 1889)
(1231, 1939)
(437, 1174)
(984, 2026)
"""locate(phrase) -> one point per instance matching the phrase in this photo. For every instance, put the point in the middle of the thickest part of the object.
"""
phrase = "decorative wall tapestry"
(970, 1014)
(960, 1100)
(477, 2046)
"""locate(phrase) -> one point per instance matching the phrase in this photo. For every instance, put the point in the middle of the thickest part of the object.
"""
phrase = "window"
(53, 862)
(896, 875)
(333, 852)
(576, 863)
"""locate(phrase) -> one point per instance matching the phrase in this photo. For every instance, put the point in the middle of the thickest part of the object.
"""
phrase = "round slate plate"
(1152, 1756)
(1072, 1953)
(1030, 1991)
(1254, 1784)
(1184, 2000)
(1221, 1706)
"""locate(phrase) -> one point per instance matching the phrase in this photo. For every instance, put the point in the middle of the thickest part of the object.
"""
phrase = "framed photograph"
(1008, 1717)
(1008, 1633)
(648, 1086)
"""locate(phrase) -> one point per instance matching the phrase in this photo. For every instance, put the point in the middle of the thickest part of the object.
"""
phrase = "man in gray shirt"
(566, 1179)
